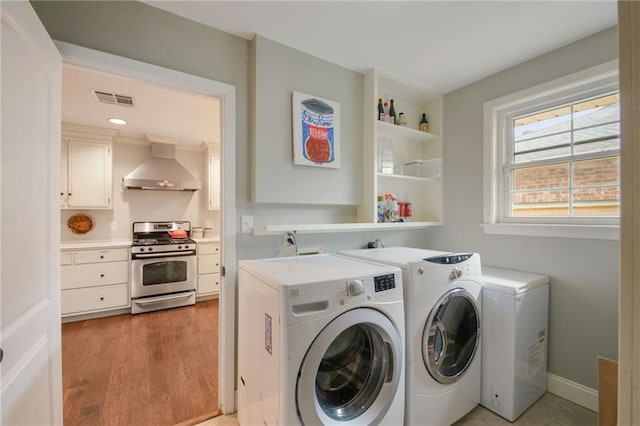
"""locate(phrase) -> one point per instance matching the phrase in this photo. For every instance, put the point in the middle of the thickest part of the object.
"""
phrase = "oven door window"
(164, 272)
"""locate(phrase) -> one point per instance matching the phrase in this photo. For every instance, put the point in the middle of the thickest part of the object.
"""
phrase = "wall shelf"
(394, 130)
(389, 148)
(340, 227)
(405, 177)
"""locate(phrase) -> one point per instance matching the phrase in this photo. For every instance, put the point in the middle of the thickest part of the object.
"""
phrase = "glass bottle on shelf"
(380, 209)
(380, 110)
(424, 124)
(392, 112)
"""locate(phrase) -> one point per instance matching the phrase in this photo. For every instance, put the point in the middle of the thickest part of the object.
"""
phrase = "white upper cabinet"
(213, 175)
(402, 160)
(86, 168)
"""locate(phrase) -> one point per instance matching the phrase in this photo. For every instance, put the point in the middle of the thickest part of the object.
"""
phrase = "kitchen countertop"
(95, 244)
(215, 239)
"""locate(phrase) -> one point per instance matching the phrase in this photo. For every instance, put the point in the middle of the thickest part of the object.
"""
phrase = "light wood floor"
(156, 369)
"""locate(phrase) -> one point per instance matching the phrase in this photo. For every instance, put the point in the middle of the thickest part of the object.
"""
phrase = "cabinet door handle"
(102, 298)
(62, 193)
(101, 275)
(101, 257)
(1, 354)
(69, 194)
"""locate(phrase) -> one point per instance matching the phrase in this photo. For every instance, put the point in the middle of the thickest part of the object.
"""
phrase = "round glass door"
(351, 370)
(451, 336)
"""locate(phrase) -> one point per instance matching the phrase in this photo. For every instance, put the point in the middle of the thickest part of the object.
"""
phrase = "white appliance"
(442, 305)
(320, 341)
(515, 312)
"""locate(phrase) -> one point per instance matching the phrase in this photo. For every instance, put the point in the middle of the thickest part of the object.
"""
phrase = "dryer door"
(451, 336)
(351, 371)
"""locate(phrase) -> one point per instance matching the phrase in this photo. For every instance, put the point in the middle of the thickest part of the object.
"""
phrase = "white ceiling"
(187, 118)
(438, 45)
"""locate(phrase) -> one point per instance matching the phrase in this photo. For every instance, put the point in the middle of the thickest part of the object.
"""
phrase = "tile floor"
(550, 410)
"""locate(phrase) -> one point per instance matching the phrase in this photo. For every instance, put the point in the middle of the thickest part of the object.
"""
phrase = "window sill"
(593, 232)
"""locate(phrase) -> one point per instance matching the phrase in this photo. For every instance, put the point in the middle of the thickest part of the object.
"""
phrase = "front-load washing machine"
(320, 341)
(442, 306)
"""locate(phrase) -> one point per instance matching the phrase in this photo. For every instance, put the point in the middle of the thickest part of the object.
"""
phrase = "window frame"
(497, 146)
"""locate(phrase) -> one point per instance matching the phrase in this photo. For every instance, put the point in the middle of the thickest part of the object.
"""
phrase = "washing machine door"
(351, 371)
(451, 336)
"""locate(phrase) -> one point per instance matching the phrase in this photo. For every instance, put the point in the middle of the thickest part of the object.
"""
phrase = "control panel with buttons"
(451, 259)
(384, 282)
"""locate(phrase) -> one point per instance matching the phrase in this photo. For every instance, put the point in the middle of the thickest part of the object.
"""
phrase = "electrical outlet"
(496, 398)
(114, 226)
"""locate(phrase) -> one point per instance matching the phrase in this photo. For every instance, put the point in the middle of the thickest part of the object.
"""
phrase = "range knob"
(355, 288)
(141, 248)
(455, 274)
(179, 247)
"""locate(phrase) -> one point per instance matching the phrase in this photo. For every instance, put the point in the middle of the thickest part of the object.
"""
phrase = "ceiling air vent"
(112, 98)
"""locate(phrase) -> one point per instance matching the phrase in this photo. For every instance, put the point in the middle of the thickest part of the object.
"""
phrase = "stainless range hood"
(161, 172)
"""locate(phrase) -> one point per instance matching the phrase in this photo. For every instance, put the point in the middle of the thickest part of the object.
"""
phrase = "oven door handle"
(153, 300)
(165, 254)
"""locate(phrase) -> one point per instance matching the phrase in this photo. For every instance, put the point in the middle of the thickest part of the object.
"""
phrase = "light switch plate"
(246, 224)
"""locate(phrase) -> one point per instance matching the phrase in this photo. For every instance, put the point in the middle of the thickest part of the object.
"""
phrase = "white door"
(31, 372)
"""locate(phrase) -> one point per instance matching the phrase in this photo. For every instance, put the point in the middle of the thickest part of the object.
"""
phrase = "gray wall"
(584, 273)
(274, 169)
(138, 31)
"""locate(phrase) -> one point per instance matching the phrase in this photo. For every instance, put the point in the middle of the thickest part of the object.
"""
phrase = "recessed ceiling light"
(119, 121)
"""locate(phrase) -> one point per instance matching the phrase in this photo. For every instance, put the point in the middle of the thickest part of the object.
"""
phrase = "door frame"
(628, 409)
(106, 62)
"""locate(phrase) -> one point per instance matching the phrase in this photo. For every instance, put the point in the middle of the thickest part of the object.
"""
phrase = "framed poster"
(316, 131)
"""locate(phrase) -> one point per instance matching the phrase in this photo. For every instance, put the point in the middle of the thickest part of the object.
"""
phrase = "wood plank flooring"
(156, 369)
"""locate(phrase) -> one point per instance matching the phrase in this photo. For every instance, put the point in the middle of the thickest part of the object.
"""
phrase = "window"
(552, 155)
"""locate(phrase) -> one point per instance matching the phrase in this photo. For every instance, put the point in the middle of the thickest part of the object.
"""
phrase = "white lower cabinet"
(81, 300)
(208, 269)
(95, 280)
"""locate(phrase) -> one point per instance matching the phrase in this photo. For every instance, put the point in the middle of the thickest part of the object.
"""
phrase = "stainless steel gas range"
(163, 266)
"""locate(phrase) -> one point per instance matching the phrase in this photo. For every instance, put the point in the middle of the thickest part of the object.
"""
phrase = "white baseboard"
(572, 391)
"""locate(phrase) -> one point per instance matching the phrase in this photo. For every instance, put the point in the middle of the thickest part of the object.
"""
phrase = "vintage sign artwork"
(316, 131)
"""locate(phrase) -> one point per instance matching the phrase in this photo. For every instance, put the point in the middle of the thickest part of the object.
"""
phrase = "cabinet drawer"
(66, 258)
(95, 299)
(94, 256)
(208, 264)
(95, 274)
(208, 248)
(209, 283)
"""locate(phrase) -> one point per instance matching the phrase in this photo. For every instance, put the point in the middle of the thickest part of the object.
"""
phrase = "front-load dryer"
(320, 341)
(442, 306)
